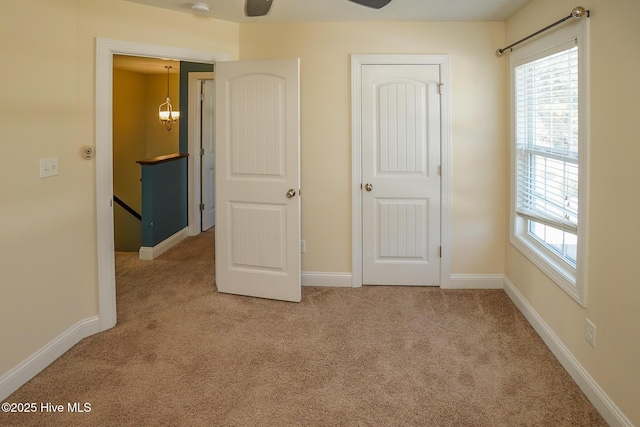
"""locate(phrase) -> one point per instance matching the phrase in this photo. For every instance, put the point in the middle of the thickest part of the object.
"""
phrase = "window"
(549, 152)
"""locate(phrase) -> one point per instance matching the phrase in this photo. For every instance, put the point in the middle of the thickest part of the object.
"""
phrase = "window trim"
(572, 280)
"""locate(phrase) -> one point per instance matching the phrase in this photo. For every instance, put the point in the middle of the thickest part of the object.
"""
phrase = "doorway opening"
(105, 49)
(138, 136)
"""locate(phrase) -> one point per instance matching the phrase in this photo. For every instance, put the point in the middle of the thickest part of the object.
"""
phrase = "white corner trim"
(600, 400)
(334, 280)
(34, 364)
(475, 281)
(146, 253)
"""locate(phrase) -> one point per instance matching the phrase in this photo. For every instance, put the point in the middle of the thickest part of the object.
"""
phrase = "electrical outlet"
(303, 246)
(590, 332)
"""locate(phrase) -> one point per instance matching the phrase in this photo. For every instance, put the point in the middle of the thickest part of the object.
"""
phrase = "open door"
(258, 178)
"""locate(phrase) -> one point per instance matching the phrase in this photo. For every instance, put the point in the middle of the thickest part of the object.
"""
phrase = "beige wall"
(614, 202)
(478, 144)
(48, 260)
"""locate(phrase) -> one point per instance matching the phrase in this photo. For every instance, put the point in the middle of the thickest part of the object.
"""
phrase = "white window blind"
(546, 121)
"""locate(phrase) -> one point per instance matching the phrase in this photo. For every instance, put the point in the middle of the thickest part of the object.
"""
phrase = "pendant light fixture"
(165, 111)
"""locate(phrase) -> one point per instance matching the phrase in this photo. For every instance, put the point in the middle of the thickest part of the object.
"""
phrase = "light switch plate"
(48, 167)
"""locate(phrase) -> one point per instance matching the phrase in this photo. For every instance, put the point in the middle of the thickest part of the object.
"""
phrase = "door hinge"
(440, 88)
(440, 170)
(201, 206)
(440, 251)
(201, 96)
(202, 152)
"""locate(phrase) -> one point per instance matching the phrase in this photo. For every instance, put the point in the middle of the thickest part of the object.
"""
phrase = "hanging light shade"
(165, 111)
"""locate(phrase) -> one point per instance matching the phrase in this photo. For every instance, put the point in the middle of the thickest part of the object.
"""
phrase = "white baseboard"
(146, 253)
(475, 281)
(456, 281)
(600, 400)
(335, 280)
(34, 364)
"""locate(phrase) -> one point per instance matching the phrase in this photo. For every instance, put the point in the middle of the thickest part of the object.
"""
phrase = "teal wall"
(164, 200)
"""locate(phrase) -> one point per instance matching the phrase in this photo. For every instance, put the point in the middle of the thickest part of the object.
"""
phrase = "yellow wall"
(48, 260)
(478, 143)
(129, 134)
(614, 202)
(129, 145)
(159, 140)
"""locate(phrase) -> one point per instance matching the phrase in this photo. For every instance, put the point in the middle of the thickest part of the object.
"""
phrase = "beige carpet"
(184, 355)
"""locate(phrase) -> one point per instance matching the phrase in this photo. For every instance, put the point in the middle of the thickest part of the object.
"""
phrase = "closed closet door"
(401, 174)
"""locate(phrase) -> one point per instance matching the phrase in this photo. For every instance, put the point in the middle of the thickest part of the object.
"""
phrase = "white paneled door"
(258, 178)
(400, 174)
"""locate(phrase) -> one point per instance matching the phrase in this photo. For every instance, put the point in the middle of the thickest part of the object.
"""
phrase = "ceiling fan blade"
(376, 4)
(257, 7)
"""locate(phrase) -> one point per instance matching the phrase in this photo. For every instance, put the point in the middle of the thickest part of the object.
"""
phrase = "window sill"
(560, 274)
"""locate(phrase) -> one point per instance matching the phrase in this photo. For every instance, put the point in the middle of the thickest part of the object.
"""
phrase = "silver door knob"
(291, 193)
(368, 187)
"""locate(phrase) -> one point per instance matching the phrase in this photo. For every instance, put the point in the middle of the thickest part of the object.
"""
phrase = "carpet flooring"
(183, 354)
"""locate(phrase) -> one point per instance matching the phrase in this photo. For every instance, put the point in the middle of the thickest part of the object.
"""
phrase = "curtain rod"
(577, 12)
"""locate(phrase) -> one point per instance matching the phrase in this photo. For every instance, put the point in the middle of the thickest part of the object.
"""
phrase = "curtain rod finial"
(499, 52)
(577, 12)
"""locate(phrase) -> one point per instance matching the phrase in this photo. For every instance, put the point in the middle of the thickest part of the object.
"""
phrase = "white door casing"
(207, 156)
(410, 187)
(257, 130)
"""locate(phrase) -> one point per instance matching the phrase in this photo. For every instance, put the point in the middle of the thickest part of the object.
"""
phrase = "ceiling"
(327, 10)
(343, 10)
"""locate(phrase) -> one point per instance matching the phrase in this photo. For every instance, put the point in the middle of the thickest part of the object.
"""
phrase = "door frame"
(357, 61)
(105, 49)
(195, 125)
